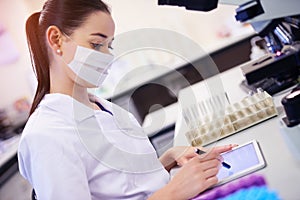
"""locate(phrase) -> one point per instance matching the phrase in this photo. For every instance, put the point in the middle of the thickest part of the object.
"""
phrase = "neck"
(61, 83)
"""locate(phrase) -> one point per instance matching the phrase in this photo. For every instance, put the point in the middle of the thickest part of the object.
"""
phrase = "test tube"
(261, 114)
(268, 102)
(197, 142)
(260, 104)
(232, 117)
(271, 111)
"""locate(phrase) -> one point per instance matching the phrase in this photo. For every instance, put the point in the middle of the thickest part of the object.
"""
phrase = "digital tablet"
(243, 159)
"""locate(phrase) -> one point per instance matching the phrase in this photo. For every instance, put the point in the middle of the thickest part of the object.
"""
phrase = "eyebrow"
(99, 34)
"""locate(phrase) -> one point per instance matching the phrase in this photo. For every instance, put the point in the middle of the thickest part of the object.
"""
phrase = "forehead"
(97, 22)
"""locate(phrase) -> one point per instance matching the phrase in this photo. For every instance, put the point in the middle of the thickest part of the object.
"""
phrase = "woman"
(75, 146)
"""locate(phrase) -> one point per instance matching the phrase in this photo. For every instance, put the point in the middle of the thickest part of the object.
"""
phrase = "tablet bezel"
(261, 163)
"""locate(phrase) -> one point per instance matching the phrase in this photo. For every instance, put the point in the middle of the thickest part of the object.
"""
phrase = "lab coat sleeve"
(53, 167)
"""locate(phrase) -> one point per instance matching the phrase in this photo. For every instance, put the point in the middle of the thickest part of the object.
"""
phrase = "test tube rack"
(234, 118)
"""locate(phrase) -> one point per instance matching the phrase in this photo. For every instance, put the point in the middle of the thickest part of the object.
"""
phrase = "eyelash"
(95, 46)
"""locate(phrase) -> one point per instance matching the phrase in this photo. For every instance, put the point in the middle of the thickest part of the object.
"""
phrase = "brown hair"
(67, 15)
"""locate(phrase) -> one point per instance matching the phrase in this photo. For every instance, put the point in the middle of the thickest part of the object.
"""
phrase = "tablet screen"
(243, 160)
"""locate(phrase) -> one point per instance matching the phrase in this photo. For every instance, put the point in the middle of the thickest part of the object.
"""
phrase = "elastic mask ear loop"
(59, 51)
(69, 38)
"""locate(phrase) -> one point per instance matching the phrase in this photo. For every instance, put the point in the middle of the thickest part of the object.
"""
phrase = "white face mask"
(90, 65)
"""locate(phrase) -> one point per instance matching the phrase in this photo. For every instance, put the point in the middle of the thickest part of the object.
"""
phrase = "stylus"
(224, 164)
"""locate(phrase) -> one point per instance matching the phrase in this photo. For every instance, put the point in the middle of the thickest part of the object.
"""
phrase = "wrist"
(168, 159)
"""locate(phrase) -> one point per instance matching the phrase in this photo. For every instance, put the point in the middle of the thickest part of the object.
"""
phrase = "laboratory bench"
(282, 170)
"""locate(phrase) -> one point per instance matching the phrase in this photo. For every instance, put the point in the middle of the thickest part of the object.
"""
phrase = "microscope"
(277, 22)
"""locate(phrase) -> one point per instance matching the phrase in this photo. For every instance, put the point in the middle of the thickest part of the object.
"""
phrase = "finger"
(182, 161)
(220, 158)
(211, 172)
(188, 153)
(222, 149)
(211, 181)
(208, 156)
(192, 154)
(214, 163)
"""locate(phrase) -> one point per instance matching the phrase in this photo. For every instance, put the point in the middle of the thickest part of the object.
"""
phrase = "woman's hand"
(198, 173)
(180, 155)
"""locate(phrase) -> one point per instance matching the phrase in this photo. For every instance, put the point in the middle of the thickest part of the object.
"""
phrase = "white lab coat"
(61, 156)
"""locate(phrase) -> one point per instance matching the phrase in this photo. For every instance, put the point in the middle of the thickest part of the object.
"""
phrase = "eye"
(110, 47)
(96, 46)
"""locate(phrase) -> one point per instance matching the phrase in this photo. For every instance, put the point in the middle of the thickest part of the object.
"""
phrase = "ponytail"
(67, 15)
(39, 57)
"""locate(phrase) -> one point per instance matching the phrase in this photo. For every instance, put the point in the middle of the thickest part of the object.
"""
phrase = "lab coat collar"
(67, 106)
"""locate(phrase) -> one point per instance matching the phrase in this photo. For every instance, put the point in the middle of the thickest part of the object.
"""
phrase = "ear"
(54, 39)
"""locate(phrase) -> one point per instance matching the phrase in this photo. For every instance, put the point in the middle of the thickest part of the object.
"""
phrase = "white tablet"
(243, 159)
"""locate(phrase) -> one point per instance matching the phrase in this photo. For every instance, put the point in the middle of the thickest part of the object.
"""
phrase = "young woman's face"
(95, 33)
(98, 29)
